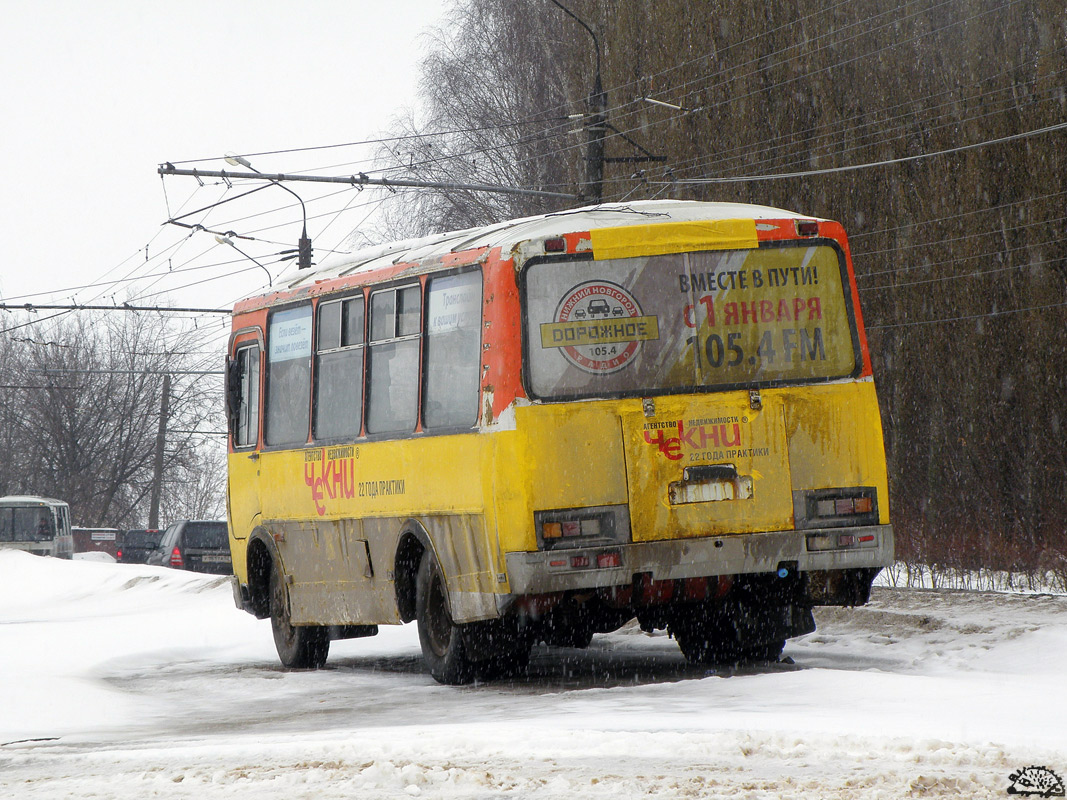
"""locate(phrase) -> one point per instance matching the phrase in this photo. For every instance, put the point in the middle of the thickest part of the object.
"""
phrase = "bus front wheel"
(299, 646)
(441, 639)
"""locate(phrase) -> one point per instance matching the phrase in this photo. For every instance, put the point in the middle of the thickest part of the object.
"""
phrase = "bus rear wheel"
(440, 637)
(298, 646)
(715, 641)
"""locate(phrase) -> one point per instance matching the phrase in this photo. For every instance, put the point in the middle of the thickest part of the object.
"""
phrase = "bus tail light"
(834, 508)
(176, 558)
(582, 527)
(818, 542)
(584, 560)
(552, 530)
(807, 227)
(844, 506)
(609, 560)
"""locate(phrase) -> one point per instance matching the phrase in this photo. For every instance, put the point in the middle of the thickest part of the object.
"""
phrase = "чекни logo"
(1036, 782)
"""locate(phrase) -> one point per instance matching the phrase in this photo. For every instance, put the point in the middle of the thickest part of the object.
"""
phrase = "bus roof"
(511, 232)
(30, 500)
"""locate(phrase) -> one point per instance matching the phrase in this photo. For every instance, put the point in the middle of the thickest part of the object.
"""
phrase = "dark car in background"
(138, 544)
(196, 545)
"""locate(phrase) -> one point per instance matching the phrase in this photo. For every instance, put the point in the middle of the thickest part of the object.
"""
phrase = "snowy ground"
(120, 681)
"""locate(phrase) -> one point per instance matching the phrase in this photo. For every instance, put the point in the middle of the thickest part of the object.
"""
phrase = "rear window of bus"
(689, 321)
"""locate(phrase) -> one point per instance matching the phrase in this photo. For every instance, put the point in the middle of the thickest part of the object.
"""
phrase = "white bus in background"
(37, 525)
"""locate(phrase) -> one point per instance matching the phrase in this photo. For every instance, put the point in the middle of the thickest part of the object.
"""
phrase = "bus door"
(706, 466)
(243, 392)
(754, 332)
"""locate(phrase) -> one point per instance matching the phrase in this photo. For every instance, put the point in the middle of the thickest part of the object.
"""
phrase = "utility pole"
(595, 121)
(595, 127)
(161, 437)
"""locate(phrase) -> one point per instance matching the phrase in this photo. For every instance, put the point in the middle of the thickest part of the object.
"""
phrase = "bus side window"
(393, 361)
(453, 351)
(289, 376)
(339, 368)
(243, 396)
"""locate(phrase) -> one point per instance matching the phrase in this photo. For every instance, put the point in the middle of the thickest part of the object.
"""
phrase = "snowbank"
(147, 682)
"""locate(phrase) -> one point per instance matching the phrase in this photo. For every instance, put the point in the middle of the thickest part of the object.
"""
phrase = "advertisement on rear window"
(670, 322)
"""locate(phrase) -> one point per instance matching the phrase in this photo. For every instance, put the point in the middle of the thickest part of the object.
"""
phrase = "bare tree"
(82, 423)
(495, 102)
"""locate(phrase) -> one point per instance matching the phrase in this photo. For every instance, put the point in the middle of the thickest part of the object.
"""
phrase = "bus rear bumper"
(674, 559)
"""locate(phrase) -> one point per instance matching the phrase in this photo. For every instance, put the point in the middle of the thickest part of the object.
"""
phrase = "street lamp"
(303, 248)
(597, 119)
(227, 239)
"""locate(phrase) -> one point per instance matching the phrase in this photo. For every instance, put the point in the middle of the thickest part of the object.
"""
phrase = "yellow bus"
(539, 430)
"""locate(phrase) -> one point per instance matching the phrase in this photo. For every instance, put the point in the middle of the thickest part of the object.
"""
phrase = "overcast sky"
(97, 94)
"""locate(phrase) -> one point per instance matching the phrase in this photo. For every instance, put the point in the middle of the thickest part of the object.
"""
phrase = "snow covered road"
(125, 681)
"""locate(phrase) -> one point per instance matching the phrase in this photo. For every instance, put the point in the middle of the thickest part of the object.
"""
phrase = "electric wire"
(886, 135)
(984, 315)
(988, 209)
(955, 239)
(973, 274)
(868, 30)
(393, 139)
(853, 167)
(846, 62)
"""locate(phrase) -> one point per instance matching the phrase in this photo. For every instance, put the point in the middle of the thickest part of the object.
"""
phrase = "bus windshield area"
(668, 323)
(26, 525)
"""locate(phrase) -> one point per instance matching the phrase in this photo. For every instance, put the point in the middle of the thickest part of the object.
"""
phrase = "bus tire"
(497, 648)
(575, 636)
(298, 646)
(717, 644)
(706, 639)
(441, 638)
(769, 651)
(505, 664)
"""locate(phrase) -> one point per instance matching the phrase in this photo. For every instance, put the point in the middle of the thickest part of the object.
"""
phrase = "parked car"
(138, 545)
(196, 545)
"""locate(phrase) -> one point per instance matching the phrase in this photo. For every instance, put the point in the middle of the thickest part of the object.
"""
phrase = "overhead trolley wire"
(984, 315)
(933, 220)
(794, 79)
(955, 239)
(802, 138)
(838, 64)
(853, 167)
(975, 274)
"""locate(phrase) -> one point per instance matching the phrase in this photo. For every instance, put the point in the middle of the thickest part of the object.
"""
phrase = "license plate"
(215, 559)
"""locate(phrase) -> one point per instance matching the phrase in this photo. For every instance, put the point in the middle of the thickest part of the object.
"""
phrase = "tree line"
(81, 400)
(961, 257)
